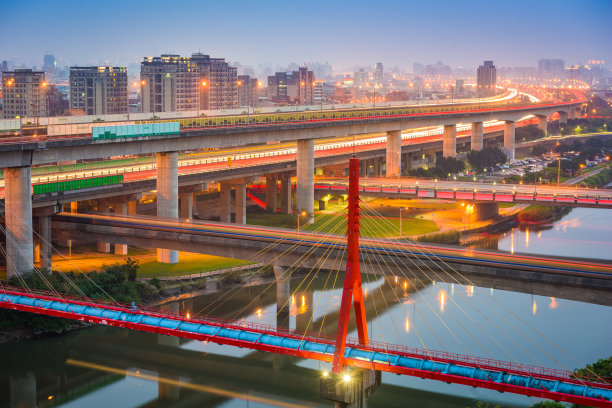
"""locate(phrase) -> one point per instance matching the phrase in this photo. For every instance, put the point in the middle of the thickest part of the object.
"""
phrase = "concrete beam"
(477, 141)
(449, 141)
(543, 124)
(167, 196)
(305, 177)
(18, 218)
(509, 138)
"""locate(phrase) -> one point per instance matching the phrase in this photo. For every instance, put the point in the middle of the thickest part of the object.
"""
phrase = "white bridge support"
(18, 217)
(394, 154)
(477, 141)
(449, 141)
(305, 177)
(543, 124)
(167, 197)
(509, 139)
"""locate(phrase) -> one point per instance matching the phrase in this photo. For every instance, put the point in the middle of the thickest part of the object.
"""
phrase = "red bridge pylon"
(352, 278)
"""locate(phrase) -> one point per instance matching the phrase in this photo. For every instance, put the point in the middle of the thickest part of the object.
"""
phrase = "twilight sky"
(344, 33)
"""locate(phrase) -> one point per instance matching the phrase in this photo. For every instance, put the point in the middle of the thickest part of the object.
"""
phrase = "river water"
(105, 366)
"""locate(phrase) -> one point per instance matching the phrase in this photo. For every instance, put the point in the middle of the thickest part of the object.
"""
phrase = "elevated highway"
(270, 246)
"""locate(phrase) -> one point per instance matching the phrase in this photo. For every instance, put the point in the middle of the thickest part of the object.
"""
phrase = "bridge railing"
(441, 357)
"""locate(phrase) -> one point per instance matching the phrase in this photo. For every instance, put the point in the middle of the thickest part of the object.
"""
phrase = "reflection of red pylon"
(352, 278)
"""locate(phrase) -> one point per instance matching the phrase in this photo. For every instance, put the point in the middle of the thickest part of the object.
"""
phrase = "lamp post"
(400, 226)
(300, 214)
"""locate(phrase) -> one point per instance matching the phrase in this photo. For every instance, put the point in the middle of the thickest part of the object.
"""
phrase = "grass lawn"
(373, 226)
(189, 263)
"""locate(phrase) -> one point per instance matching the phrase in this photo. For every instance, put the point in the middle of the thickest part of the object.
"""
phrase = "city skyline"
(459, 36)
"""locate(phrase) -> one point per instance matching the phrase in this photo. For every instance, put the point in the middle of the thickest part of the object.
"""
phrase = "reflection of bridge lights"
(470, 290)
(534, 307)
(553, 303)
(303, 301)
(188, 316)
(407, 325)
(526, 237)
(442, 297)
(396, 279)
(258, 313)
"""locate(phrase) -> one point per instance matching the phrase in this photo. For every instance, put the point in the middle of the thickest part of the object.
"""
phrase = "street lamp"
(300, 214)
(400, 226)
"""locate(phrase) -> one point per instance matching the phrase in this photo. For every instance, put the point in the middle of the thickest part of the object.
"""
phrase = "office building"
(169, 83)
(486, 78)
(48, 63)
(99, 90)
(24, 94)
(361, 78)
(551, 68)
(218, 82)
(378, 75)
(296, 87)
(248, 90)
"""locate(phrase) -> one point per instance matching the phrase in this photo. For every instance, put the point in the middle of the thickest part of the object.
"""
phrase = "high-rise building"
(378, 75)
(361, 78)
(551, 68)
(99, 90)
(218, 82)
(486, 78)
(24, 94)
(48, 63)
(169, 83)
(248, 90)
(318, 91)
(296, 87)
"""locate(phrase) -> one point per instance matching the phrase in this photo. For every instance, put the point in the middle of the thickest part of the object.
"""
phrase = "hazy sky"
(344, 33)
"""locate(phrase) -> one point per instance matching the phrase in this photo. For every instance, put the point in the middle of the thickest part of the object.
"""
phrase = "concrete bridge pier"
(509, 132)
(240, 207)
(543, 124)
(18, 220)
(271, 194)
(44, 226)
(167, 196)
(477, 141)
(283, 306)
(363, 168)
(286, 199)
(225, 209)
(394, 153)
(305, 177)
(123, 209)
(353, 393)
(572, 113)
(186, 206)
(449, 141)
(377, 167)
(563, 118)
(23, 390)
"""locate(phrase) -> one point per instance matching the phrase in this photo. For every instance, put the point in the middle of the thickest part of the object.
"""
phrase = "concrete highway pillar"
(225, 201)
(23, 390)
(394, 154)
(477, 141)
(186, 210)
(305, 177)
(572, 113)
(167, 196)
(44, 226)
(449, 141)
(363, 169)
(121, 208)
(562, 118)
(286, 195)
(103, 246)
(18, 218)
(377, 167)
(543, 124)
(271, 193)
(240, 208)
(509, 139)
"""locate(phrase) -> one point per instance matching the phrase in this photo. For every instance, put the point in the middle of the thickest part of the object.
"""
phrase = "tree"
(450, 165)
(548, 404)
(489, 157)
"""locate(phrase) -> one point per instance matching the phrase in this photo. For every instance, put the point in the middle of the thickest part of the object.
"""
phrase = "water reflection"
(107, 366)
